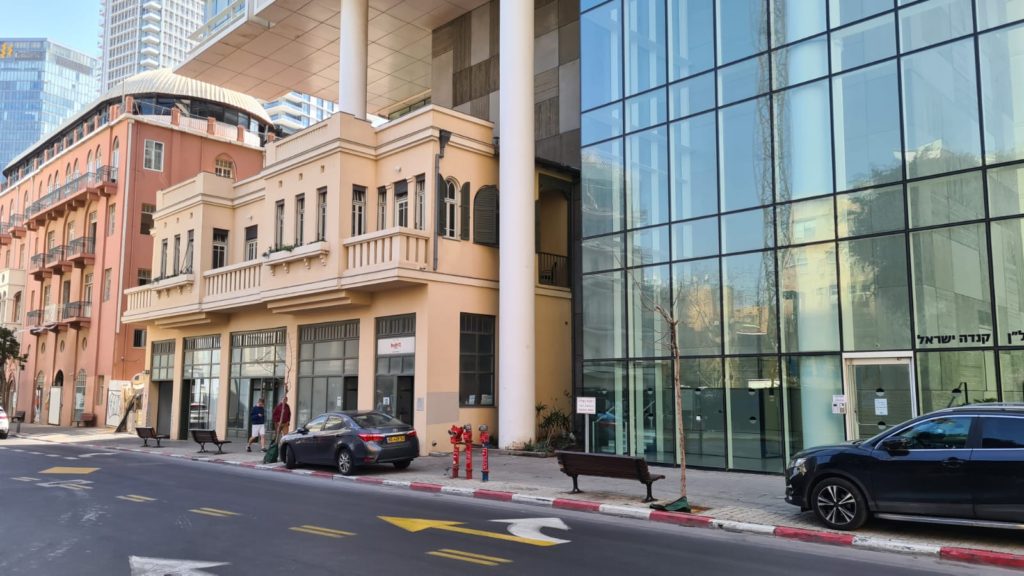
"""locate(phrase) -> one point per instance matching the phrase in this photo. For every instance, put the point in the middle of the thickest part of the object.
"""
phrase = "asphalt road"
(135, 508)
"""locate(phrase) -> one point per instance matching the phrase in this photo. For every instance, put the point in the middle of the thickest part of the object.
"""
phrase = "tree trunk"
(680, 434)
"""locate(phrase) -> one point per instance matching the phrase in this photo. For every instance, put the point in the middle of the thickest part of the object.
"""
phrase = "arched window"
(450, 210)
(485, 216)
(99, 157)
(74, 170)
(224, 167)
(79, 394)
(90, 167)
(40, 382)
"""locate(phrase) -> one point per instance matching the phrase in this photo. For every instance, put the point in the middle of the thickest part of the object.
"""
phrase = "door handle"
(952, 463)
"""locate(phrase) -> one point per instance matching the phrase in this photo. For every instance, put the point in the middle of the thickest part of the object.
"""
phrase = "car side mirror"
(303, 431)
(896, 444)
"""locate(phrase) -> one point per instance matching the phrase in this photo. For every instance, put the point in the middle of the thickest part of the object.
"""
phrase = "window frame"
(476, 354)
(153, 155)
(300, 219)
(219, 248)
(450, 226)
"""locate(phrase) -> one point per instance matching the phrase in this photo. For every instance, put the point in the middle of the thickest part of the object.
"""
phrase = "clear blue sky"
(73, 23)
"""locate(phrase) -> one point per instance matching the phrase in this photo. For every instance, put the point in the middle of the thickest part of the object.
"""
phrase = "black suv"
(961, 465)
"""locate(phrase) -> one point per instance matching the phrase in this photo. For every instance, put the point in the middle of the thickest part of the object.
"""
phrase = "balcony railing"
(76, 313)
(233, 279)
(54, 255)
(140, 298)
(232, 12)
(34, 317)
(395, 247)
(80, 250)
(552, 270)
(37, 262)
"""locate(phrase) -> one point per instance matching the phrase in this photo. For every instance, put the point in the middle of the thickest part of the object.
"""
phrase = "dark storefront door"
(163, 407)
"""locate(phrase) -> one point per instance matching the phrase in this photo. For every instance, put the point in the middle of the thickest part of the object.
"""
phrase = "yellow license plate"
(396, 439)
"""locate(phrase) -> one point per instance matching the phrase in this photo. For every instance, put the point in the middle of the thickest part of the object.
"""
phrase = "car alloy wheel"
(345, 462)
(839, 504)
(289, 458)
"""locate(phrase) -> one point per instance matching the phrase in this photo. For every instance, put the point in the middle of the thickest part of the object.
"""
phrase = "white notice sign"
(881, 407)
(394, 346)
(586, 405)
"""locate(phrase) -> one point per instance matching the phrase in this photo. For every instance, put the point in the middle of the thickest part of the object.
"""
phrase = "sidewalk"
(727, 500)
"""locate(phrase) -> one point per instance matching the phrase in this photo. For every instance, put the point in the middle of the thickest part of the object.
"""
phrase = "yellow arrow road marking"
(469, 557)
(321, 531)
(68, 470)
(420, 524)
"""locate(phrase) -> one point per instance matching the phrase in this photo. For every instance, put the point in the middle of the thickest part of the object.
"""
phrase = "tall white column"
(352, 62)
(516, 355)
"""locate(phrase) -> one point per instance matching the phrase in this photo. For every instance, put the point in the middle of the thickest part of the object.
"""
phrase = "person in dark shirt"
(258, 419)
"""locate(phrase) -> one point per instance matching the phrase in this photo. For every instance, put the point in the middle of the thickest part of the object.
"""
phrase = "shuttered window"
(485, 216)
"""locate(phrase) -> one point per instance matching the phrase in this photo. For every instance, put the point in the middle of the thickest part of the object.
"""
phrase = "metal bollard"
(485, 438)
(455, 434)
(467, 437)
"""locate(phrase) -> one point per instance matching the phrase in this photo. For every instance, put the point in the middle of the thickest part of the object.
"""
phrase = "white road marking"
(142, 566)
(90, 454)
(531, 528)
(69, 484)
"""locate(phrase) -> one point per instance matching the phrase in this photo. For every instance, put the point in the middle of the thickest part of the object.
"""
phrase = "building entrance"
(880, 392)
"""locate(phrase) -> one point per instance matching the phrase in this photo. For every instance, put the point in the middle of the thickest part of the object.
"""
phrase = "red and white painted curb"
(966, 555)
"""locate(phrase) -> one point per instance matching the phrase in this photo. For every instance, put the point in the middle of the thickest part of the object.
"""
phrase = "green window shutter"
(439, 201)
(485, 216)
(464, 207)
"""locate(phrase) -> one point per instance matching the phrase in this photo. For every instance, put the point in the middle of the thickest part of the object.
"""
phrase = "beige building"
(357, 270)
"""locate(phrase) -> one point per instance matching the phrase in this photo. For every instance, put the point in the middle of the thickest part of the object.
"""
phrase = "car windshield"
(376, 420)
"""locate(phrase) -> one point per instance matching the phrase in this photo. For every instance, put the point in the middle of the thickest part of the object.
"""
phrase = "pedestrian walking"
(282, 418)
(258, 419)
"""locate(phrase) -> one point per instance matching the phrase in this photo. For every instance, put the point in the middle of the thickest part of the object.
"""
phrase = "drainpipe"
(443, 137)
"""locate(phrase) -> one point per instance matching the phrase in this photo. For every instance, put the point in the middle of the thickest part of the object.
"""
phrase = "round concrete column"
(352, 62)
(516, 339)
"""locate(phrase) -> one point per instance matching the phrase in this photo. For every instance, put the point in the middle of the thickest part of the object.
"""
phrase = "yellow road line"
(328, 530)
(463, 558)
(473, 555)
(214, 512)
(136, 498)
(68, 470)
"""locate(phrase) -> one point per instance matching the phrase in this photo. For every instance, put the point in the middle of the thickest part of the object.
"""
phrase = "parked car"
(351, 439)
(5, 425)
(962, 465)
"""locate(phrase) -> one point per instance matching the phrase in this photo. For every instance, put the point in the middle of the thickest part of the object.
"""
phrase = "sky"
(73, 23)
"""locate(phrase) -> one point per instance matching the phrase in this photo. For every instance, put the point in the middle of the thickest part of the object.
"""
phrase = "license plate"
(396, 439)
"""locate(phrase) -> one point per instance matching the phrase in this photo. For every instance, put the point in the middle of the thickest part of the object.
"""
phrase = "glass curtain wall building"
(828, 194)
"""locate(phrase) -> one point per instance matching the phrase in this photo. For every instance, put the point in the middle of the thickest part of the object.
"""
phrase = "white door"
(55, 395)
(880, 392)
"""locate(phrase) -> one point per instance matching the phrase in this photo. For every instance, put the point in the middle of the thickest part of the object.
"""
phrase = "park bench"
(204, 437)
(87, 418)
(576, 464)
(148, 433)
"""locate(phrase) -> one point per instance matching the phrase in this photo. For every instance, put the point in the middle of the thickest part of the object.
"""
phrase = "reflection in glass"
(932, 22)
(750, 230)
(754, 401)
(952, 299)
(744, 155)
(1008, 276)
(1011, 372)
(992, 13)
(796, 19)
(695, 239)
(807, 221)
(803, 158)
(863, 43)
(800, 62)
(743, 80)
(809, 298)
(654, 422)
(694, 167)
(606, 382)
(1006, 190)
(698, 307)
(874, 293)
(946, 200)
(811, 381)
(1002, 83)
(603, 317)
(749, 303)
(601, 198)
(703, 411)
(602, 253)
(867, 127)
(601, 124)
(647, 178)
(600, 55)
(870, 211)
(940, 110)
(645, 110)
(648, 246)
(742, 29)
(648, 289)
(955, 378)
(691, 37)
(846, 11)
(645, 45)
(691, 96)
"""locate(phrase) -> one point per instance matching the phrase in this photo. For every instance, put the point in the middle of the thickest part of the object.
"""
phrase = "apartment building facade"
(76, 214)
(141, 35)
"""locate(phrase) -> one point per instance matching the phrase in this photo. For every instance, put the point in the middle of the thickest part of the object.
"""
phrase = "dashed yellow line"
(214, 512)
(321, 531)
(470, 557)
(137, 498)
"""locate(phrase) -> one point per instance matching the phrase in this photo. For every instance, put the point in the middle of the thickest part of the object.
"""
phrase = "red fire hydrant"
(455, 434)
(485, 438)
(467, 437)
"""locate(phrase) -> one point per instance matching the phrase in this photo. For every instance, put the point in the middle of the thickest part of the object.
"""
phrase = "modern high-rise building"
(141, 35)
(294, 111)
(41, 84)
(829, 197)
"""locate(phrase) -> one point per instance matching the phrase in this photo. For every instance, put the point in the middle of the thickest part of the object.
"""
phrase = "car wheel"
(839, 504)
(345, 465)
(403, 464)
(289, 458)
(3, 435)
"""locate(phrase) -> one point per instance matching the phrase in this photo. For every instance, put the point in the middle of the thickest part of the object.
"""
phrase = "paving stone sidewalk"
(728, 496)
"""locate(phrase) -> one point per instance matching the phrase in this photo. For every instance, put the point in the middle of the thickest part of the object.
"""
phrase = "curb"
(963, 555)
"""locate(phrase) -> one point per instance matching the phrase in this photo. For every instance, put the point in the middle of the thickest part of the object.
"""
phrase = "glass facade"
(824, 192)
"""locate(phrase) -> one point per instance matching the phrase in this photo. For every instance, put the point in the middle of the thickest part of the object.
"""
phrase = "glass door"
(879, 394)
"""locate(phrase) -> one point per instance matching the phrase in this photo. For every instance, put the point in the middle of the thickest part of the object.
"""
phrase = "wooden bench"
(87, 418)
(204, 437)
(576, 464)
(148, 434)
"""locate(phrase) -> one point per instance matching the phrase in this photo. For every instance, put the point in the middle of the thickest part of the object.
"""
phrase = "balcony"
(552, 270)
(5, 234)
(102, 182)
(232, 285)
(80, 252)
(16, 226)
(76, 315)
(68, 197)
(45, 319)
(284, 257)
(382, 259)
(55, 261)
(37, 267)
